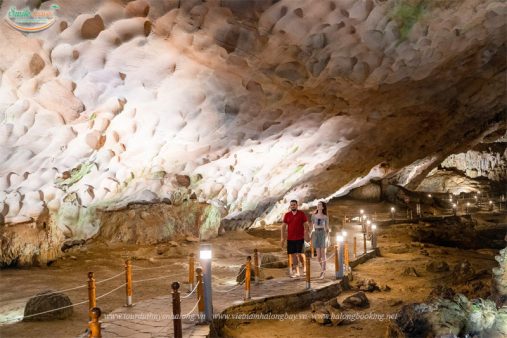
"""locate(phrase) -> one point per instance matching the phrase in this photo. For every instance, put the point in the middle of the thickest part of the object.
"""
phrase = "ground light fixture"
(205, 255)
(373, 236)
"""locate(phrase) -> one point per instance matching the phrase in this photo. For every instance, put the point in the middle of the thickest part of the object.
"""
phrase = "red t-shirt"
(296, 229)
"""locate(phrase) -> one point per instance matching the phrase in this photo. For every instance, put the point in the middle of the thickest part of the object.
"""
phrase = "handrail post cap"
(95, 312)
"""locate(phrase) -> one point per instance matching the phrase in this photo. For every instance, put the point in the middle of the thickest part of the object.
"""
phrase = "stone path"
(152, 318)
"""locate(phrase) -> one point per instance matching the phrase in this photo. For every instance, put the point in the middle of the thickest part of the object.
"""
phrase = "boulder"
(500, 279)
(395, 302)
(463, 271)
(192, 239)
(322, 317)
(385, 287)
(368, 286)
(437, 266)
(46, 301)
(448, 318)
(335, 316)
(71, 243)
(499, 329)
(240, 278)
(450, 231)
(318, 305)
(411, 323)
(401, 249)
(272, 262)
(333, 302)
(410, 271)
(441, 292)
(357, 300)
(371, 286)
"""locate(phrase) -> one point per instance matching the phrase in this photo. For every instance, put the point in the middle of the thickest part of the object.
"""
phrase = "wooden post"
(200, 295)
(346, 255)
(178, 332)
(94, 323)
(336, 261)
(364, 243)
(307, 256)
(92, 291)
(256, 265)
(248, 267)
(355, 247)
(128, 280)
(191, 263)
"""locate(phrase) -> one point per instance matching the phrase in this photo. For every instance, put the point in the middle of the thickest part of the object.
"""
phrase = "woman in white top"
(320, 231)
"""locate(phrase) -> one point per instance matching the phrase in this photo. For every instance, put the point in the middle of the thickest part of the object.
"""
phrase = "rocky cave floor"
(398, 252)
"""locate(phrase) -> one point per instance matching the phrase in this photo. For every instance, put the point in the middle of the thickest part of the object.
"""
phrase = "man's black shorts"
(296, 246)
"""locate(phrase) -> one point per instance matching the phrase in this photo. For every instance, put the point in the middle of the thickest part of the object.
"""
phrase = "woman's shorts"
(319, 239)
(295, 246)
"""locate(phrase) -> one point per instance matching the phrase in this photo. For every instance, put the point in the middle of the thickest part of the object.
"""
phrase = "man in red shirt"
(295, 230)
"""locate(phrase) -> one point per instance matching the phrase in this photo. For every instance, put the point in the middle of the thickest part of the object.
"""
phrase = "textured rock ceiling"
(253, 101)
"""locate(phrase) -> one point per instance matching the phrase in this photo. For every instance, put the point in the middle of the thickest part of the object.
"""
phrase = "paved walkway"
(152, 318)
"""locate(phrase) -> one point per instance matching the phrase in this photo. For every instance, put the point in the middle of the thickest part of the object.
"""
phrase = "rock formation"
(500, 279)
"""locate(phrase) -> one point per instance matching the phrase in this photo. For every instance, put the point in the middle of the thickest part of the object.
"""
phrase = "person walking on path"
(295, 230)
(319, 234)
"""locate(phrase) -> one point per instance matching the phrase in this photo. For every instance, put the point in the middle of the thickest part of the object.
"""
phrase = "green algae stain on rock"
(74, 175)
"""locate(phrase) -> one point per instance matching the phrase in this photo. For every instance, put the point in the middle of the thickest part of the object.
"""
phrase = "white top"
(319, 221)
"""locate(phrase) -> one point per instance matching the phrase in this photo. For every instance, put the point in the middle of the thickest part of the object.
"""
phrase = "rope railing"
(16, 300)
(191, 292)
(48, 311)
(233, 288)
(95, 313)
(155, 278)
(331, 256)
(110, 292)
(193, 309)
(283, 260)
(63, 307)
(62, 291)
(139, 268)
(227, 279)
(110, 278)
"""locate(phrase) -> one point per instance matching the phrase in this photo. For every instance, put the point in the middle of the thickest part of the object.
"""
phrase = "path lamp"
(205, 257)
(339, 245)
(374, 236)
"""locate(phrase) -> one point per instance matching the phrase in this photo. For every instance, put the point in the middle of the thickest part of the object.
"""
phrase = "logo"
(31, 21)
